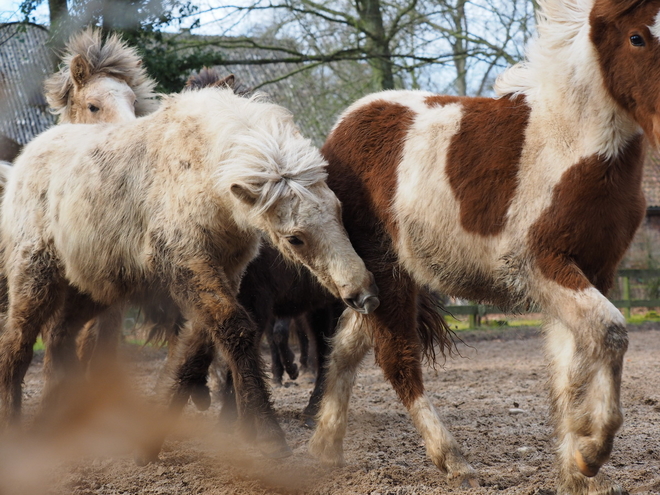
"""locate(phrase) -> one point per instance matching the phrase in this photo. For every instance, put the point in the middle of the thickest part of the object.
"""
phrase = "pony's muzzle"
(363, 305)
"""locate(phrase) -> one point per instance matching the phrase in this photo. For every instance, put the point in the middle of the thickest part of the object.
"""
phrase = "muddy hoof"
(276, 451)
(201, 397)
(293, 371)
(470, 482)
(309, 422)
(585, 468)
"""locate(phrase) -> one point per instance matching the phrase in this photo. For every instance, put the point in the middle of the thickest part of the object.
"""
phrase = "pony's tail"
(161, 326)
(432, 328)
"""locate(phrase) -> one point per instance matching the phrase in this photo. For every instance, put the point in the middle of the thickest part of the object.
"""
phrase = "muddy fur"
(178, 200)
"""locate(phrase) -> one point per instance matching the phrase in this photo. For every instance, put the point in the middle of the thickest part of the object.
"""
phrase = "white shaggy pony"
(173, 203)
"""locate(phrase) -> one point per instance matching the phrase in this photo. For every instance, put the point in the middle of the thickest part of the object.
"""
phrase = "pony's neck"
(562, 80)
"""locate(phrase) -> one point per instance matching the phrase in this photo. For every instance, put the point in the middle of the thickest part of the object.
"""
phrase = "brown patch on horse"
(484, 157)
(372, 134)
(612, 24)
(581, 237)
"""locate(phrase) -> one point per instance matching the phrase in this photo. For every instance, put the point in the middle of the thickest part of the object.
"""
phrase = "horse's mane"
(272, 160)
(209, 77)
(558, 24)
(113, 58)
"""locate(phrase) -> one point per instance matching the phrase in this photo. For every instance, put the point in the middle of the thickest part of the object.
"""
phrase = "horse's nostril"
(362, 304)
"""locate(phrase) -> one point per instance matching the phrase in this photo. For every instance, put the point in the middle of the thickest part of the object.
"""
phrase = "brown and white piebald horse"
(529, 198)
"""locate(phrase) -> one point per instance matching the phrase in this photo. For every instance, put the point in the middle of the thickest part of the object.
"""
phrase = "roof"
(24, 63)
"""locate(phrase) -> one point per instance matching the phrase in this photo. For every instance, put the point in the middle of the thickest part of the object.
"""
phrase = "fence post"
(626, 296)
(472, 318)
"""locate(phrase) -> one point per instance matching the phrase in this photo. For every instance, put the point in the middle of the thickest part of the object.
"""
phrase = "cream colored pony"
(176, 203)
(100, 81)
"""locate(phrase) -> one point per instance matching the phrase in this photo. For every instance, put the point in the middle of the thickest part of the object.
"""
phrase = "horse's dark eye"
(296, 241)
(637, 40)
(93, 108)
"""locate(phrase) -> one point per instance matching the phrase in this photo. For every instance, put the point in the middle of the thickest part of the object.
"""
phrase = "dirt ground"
(474, 394)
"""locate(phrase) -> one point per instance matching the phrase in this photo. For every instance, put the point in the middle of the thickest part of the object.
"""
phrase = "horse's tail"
(432, 328)
(160, 325)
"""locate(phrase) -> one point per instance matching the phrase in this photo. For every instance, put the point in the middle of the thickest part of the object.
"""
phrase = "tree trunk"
(59, 17)
(377, 46)
(459, 47)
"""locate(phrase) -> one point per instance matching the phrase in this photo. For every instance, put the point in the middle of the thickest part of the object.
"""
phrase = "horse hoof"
(586, 469)
(309, 422)
(201, 397)
(470, 483)
(276, 451)
(293, 372)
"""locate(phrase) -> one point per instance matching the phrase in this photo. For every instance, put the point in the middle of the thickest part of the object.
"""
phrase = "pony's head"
(99, 82)
(278, 183)
(626, 37)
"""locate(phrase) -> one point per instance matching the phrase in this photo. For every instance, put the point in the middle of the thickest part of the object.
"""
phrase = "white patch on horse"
(655, 27)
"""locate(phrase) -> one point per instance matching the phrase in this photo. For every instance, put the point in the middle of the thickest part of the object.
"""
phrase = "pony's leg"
(349, 346)
(303, 340)
(276, 366)
(322, 323)
(61, 364)
(586, 342)
(109, 324)
(35, 297)
(398, 352)
(281, 339)
(220, 320)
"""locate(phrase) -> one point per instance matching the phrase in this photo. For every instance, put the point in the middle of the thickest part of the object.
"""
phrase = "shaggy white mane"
(272, 160)
(560, 25)
(113, 58)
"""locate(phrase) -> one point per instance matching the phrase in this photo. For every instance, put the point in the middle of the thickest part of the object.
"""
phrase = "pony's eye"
(637, 40)
(93, 108)
(296, 241)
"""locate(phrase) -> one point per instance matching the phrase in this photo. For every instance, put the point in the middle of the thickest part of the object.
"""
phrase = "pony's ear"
(80, 70)
(226, 81)
(244, 194)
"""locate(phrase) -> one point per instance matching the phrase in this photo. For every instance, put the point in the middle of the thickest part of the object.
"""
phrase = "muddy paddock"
(493, 399)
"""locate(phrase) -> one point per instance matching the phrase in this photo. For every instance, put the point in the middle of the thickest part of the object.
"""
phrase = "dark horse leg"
(322, 323)
(281, 340)
(61, 363)
(219, 322)
(276, 365)
(303, 340)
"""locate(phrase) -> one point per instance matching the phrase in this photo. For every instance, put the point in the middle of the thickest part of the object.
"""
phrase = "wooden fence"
(476, 311)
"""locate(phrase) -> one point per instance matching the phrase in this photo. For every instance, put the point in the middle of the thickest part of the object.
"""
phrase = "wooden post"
(472, 318)
(626, 296)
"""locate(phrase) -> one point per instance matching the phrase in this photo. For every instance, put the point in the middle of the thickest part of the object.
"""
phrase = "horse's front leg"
(349, 346)
(586, 342)
(219, 322)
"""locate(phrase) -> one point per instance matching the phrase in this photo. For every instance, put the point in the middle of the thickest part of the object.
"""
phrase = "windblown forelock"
(272, 171)
(113, 58)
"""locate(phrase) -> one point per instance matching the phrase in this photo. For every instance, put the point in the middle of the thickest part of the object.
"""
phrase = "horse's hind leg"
(281, 340)
(35, 296)
(586, 342)
(398, 352)
(61, 363)
(322, 323)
